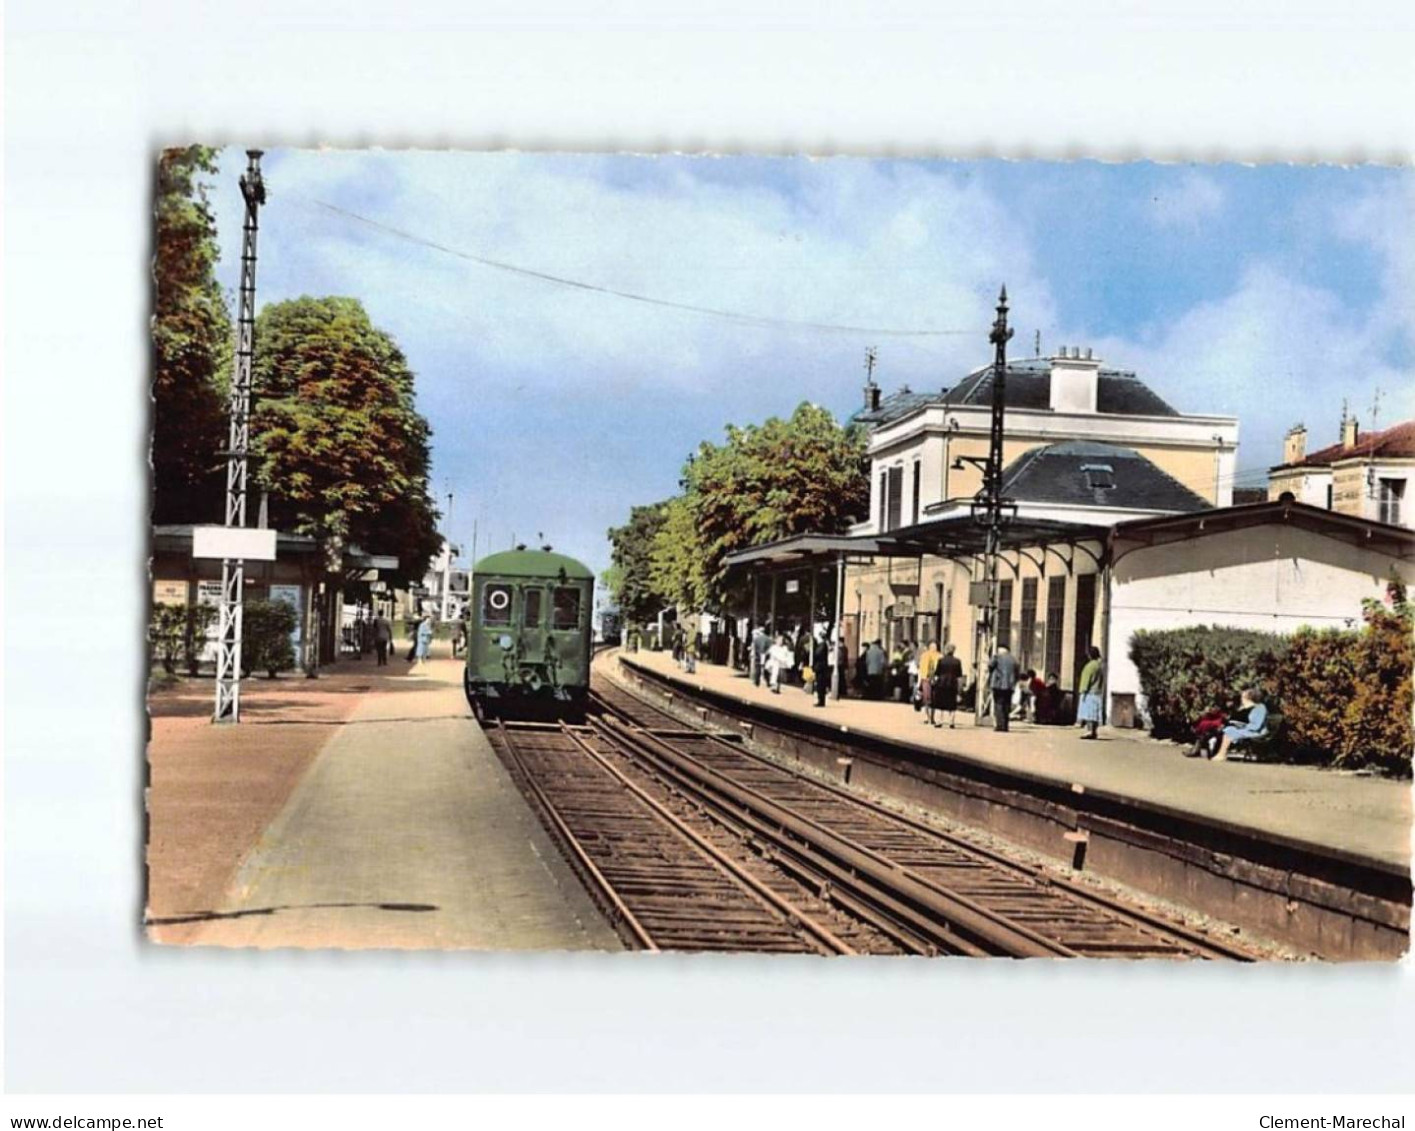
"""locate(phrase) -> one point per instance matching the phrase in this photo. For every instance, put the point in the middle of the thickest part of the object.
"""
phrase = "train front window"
(567, 609)
(496, 605)
(531, 617)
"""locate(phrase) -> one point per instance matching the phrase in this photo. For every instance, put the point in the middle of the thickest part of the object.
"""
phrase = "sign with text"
(169, 592)
(249, 543)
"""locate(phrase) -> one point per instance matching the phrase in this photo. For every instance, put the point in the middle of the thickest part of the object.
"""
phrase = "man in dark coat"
(820, 665)
(1002, 678)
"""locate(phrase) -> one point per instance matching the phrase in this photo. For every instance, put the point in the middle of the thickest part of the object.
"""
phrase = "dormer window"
(1099, 476)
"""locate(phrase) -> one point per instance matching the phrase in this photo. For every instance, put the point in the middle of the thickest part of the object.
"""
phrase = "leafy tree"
(339, 444)
(676, 572)
(191, 342)
(630, 577)
(771, 481)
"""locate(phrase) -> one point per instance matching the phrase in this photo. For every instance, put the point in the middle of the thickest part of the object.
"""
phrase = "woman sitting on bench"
(1255, 726)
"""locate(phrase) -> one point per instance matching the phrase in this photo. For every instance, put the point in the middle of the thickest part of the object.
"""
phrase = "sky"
(1270, 293)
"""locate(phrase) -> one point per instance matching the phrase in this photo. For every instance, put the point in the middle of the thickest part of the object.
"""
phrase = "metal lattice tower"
(233, 570)
(989, 507)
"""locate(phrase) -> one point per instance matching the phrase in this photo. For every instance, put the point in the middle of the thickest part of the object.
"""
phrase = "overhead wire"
(631, 296)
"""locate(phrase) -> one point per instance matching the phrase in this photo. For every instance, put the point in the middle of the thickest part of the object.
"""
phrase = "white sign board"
(249, 543)
(793, 585)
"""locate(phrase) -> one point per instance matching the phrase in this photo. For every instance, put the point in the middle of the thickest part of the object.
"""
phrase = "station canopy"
(962, 536)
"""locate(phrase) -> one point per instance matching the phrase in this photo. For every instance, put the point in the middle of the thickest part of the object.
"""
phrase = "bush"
(199, 619)
(265, 636)
(1348, 694)
(1187, 671)
(1345, 696)
(166, 631)
(179, 631)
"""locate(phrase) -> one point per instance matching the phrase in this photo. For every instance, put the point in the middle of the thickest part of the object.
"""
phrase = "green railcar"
(529, 633)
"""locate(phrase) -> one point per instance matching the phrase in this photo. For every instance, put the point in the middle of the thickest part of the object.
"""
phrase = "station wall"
(1276, 578)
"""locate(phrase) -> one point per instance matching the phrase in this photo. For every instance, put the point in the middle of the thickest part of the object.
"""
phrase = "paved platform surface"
(1365, 816)
(407, 832)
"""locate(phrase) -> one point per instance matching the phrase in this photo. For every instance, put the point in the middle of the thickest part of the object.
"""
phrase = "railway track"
(665, 884)
(630, 790)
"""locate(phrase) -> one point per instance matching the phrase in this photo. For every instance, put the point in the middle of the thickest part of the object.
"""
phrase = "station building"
(300, 576)
(1121, 518)
(1362, 476)
(1086, 446)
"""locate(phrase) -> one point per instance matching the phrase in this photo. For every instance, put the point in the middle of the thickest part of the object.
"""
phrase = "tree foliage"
(630, 579)
(676, 566)
(191, 342)
(1348, 694)
(770, 481)
(339, 443)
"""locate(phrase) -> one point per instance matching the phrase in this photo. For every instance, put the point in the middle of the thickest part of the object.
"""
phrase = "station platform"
(1346, 815)
(403, 830)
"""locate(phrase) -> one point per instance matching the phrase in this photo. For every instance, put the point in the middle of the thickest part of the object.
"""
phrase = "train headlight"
(505, 642)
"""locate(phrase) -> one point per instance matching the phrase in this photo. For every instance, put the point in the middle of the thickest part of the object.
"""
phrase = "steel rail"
(1168, 931)
(572, 842)
(947, 917)
(793, 921)
(790, 911)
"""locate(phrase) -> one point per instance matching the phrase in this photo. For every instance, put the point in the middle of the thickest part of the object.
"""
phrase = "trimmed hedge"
(1187, 671)
(1345, 696)
(265, 636)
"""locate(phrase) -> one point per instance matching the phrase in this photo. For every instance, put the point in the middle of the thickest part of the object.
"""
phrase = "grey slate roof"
(892, 407)
(1118, 392)
(1054, 474)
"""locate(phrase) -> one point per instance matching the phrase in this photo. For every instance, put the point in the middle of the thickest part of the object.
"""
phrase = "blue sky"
(1265, 292)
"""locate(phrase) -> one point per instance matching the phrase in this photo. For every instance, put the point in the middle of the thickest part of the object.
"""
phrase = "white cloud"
(1186, 202)
(842, 241)
(1272, 352)
(835, 241)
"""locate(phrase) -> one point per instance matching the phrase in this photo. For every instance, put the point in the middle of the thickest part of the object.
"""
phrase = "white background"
(92, 90)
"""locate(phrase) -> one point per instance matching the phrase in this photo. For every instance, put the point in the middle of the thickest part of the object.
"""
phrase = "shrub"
(166, 633)
(265, 636)
(199, 619)
(1187, 671)
(1348, 694)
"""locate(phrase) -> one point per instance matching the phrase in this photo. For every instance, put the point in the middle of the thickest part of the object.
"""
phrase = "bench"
(1259, 749)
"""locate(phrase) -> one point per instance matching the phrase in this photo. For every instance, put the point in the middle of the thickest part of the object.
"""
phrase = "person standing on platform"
(842, 663)
(947, 680)
(424, 641)
(820, 662)
(761, 645)
(875, 664)
(928, 664)
(1088, 710)
(1002, 678)
(382, 638)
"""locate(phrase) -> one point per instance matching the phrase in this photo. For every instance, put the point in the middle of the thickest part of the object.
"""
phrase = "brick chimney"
(1349, 430)
(871, 397)
(1074, 380)
(1294, 447)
